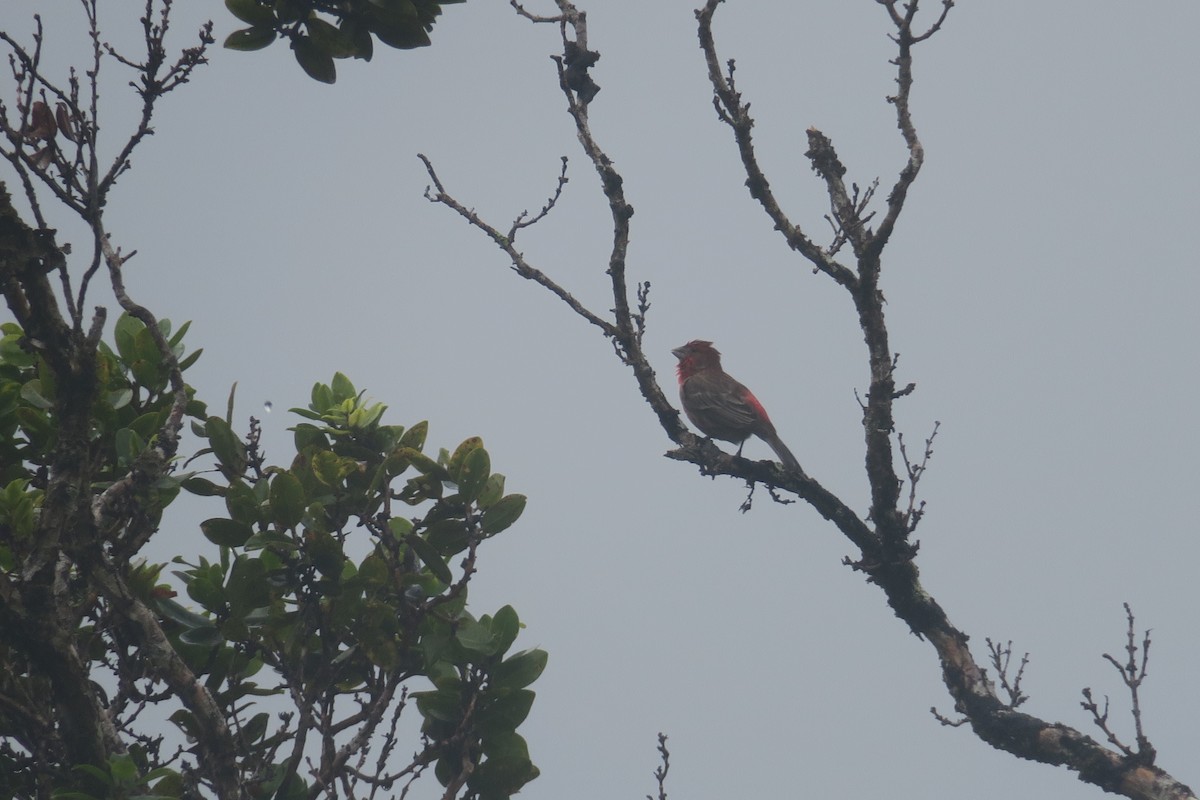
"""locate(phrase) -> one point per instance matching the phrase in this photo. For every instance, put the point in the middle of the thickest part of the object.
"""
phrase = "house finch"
(721, 407)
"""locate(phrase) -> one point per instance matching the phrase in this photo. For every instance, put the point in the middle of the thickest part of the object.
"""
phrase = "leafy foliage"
(320, 31)
(315, 624)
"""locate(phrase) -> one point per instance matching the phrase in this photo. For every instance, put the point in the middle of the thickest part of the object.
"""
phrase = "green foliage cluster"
(321, 31)
(324, 612)
(131, 401)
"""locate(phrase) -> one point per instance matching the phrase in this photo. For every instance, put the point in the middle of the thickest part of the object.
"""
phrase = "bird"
(721, 407)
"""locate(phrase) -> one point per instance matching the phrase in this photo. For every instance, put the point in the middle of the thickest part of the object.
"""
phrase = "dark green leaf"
(325, 551)
(329, 39)
(364, 45)
(505, 712)
(503, 514)
(251, 12)
(444, 705)
(315, 62)
(228, 448)
(287, 500)
(404, 35)
(242, 503)
(448, 536)
(226, 532)
(253, 730)
(207, 637)
(202, 487)
(473, 474)
(431, 558)
(520, 670)
(250, 39)
(188, 619)
(506, 769)
(247, 587)
(505, 625)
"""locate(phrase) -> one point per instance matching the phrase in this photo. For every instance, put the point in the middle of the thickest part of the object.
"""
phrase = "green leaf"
(460, 452)
(431, 558)
(120, 398)
(493, 490)
(400, 527)
(187, 361)
(374, 571)
(174, 341)
(229, 449)
(342, 388)
(424, 463)
(31, 393)
(124, 771)
(128, 445)
(505, 712)
(287, 500)
(505, 625)
(242, 503)
(124, 334)
(327, 468)
(247, 587)
(253, 730)
(503, 514)
(520, 670)
(364, 45)
(202, 487)
(226, 532)
(251, 12)
(473, 473)
(11, 351)
(506, 769)
(403, 35)
(250, 39)
(377, 630)
(205, 637)
(443, 705)
(325, 551)
(414, 437)
(177, 613)
(476, 637)
(328, 38)
(448, 536)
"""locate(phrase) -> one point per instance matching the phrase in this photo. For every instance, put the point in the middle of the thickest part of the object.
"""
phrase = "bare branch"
(1001, 660)
(660, 772)
(736, 114)
(523, 220)
(519, 264)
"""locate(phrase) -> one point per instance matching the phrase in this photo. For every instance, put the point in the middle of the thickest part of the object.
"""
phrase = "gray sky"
(1041, 289)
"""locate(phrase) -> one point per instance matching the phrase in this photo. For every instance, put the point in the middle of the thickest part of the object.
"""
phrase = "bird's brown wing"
(718, 406)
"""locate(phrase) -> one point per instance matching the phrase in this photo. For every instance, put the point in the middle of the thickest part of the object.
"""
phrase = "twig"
(660, 772)
(1133, 673)
(1001, 659)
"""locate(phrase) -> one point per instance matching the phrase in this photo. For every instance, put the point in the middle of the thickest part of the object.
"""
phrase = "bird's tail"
(789, 461)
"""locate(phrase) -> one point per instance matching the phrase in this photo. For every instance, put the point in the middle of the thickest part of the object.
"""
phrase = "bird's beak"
(679, 353)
